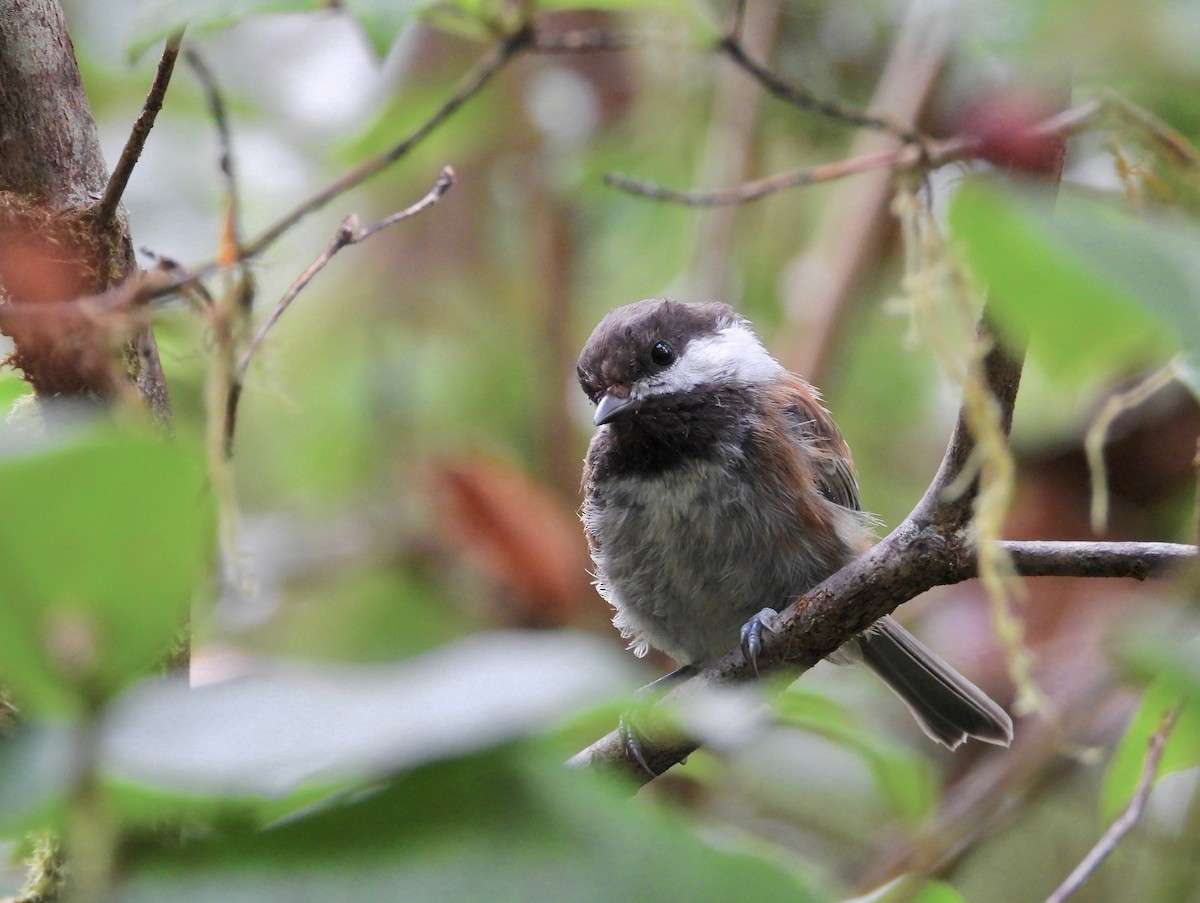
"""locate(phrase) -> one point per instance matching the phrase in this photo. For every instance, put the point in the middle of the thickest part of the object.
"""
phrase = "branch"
(1137, 560)
(931, 547)
(909, 561)
(928, 156)
(348, 233)
(760, 188)
(132, 151)
(472, 83)
(1127, 819)
(943, 503)
(231, 236)
(857, 222)
(139, 292)
(804, 99)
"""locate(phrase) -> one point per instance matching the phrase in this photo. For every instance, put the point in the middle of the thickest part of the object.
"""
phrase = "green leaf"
(38, 765)
(286, 726)
(505, 826)
(1182, 750)
(103, 540)
(1096, 289)
(257, 748)
(158, 19)
(1163, 646)
(904, 779)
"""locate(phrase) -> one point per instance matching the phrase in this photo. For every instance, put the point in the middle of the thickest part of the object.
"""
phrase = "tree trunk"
(54, 248)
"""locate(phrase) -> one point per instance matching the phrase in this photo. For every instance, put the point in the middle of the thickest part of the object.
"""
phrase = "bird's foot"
(632, 742)
(752, 631)
(627, 725)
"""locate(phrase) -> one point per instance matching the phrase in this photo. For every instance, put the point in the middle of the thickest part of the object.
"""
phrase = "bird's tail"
(948, 707)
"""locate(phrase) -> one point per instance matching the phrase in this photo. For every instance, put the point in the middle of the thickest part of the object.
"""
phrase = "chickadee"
(718, 489)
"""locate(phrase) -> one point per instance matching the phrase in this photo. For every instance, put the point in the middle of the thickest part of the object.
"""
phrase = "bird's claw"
(632, 743)
(631, 737)
(751, 636)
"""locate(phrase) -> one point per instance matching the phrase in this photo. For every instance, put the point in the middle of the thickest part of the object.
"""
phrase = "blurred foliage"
(1094, 288)
(79, 517)
(408, 454)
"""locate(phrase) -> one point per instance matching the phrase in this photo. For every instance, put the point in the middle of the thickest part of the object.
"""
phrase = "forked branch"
(348, 233)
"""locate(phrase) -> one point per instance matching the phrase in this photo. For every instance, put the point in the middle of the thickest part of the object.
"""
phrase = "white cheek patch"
(733, 356)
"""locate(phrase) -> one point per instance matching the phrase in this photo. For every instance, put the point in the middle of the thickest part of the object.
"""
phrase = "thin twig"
(931, 155)
(348, 233)
(132, 151)
(760, 188)
(1137, 560)
(804, 99)
(474, 81)
(822, 289)
(231, 239)
(728, 155)
(1128, 818)
(176, 270)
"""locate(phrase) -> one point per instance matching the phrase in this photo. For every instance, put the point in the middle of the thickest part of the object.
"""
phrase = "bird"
(718, 489)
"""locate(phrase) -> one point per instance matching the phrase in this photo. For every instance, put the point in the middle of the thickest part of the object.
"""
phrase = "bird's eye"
(662, 354)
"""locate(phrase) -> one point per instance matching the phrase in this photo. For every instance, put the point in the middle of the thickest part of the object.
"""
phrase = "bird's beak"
(611, 407)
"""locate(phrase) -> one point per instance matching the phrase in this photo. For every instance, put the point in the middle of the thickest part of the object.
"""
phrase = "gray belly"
(687, 557)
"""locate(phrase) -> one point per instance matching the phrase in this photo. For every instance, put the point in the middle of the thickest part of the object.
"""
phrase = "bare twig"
(804, 99)
(348, 233)
(132, 151)
(728, 154)
(1001, 378)
(1138, 560)
(856, 221)
(136, 293)
(474, 81)
(231, 239)
(1124, 822)
(929, 156)
(759, 188)
(175, 271)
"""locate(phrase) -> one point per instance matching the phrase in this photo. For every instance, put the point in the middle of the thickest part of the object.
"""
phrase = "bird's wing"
(812, 425)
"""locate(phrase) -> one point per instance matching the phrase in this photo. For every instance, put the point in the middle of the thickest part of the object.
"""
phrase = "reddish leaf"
(523, 536)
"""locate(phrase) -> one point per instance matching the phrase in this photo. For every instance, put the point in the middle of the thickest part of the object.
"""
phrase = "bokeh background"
(411, 435)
